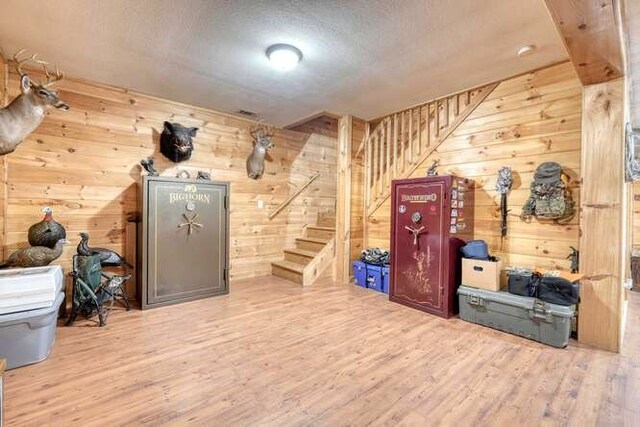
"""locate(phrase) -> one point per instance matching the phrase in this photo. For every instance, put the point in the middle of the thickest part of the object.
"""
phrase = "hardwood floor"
(273, 353)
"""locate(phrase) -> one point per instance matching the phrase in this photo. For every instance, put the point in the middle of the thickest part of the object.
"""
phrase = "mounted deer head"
(261, 145)
(26, 112)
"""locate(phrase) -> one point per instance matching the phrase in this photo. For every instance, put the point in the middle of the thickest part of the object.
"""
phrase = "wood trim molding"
(590, 32)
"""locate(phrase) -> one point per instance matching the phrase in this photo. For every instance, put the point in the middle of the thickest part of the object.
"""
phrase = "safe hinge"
(225, 202)
(224, 275)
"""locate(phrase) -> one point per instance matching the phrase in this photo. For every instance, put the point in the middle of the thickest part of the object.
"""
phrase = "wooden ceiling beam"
(590, 32)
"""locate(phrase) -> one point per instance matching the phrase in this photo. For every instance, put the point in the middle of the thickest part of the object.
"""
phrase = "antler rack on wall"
(284, 204)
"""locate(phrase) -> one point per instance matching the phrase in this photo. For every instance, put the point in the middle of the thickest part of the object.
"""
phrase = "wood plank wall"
(84, 164)
(525, 121)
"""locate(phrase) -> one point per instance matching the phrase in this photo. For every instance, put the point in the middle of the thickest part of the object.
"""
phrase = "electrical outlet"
(260, 204)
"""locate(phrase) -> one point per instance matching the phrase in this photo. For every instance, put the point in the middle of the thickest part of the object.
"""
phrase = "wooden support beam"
(4, 100)
(590, 32)
(367, 173)
(631, 30)
(343, 200)
(602, 207)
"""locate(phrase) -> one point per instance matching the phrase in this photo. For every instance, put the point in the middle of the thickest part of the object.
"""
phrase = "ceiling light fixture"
(527, 50)
(284, 57)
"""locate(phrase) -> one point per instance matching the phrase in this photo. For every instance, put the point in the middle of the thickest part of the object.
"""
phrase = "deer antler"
(20, 62)
(51, 79)
(261, 129)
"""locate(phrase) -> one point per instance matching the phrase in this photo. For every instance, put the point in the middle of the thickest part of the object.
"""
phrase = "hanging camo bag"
(549, 198)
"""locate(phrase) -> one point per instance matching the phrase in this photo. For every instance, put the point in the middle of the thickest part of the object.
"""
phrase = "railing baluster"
(419, 131)
(388, 139)
(437, 114)
(402, 141)
(374, 171)
(381, 162)
(395, 145)
(411, 137)
(367, 169)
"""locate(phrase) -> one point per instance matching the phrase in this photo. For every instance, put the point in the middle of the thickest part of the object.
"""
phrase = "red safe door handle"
(416, 233)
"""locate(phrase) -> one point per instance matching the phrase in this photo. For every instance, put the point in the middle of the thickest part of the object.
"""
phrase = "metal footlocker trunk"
(519, 315)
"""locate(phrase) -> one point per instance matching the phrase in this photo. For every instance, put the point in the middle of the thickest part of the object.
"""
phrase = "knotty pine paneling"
(84, 164)
(525, 121)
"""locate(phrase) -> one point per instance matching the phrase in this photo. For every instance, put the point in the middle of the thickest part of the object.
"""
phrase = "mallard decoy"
(108, 258)
(147, 164)
(204, 176)
(46, 232)
(35, 256)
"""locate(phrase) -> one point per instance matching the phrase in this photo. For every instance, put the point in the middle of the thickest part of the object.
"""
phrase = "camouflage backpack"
(549, 198)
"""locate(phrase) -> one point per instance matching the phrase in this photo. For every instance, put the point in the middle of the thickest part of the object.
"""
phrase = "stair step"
(311, 243)
(320, 232)
(288, 270)
(299, 256)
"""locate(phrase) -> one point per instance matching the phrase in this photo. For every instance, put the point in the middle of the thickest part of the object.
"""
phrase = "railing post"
(343, 200)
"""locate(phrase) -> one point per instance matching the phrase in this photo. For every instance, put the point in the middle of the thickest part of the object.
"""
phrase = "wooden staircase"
(313, 254)
(402, 141)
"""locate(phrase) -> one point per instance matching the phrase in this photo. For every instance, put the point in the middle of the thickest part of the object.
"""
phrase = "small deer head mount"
(261, 145)
(176, 142)
(27, 110)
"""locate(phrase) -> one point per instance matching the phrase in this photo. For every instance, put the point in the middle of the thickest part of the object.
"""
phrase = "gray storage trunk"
(27, 337)
(519, 315)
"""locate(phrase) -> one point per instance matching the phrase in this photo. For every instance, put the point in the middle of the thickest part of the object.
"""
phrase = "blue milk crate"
(360, 273)
(385, 279)
(374, 277)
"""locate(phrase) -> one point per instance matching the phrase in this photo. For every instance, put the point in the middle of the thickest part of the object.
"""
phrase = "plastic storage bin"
(28, 336)
(525, 316)
(24, 289)
(374, 277)
(385, 279)
(360, 273)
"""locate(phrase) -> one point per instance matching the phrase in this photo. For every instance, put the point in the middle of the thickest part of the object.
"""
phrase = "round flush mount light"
(527, 50)
(284, 57)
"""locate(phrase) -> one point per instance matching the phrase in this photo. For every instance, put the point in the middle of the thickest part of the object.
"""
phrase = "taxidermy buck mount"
(261, 145)
(25, 113)
(176, 142)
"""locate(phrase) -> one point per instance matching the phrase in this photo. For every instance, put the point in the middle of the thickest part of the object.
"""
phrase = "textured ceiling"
(364, 57)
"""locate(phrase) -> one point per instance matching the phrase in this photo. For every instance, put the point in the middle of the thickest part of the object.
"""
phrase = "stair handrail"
(402, 141)
(284, 204)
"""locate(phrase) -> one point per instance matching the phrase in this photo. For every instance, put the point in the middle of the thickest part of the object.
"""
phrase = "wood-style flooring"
(273, 353)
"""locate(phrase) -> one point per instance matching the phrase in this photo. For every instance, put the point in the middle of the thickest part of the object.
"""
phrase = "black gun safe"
(184, 240)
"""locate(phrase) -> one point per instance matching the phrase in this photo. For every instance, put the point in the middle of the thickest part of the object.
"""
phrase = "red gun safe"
(430, 218)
